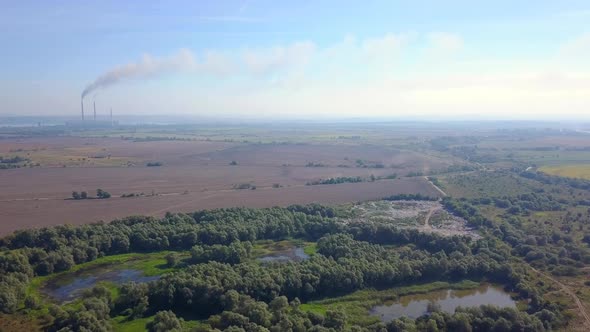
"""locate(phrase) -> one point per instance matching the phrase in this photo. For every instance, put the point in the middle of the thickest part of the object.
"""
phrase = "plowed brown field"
(195, 175)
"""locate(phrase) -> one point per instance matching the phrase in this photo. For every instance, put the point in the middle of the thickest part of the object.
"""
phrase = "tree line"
(232, 292)
(100, 194)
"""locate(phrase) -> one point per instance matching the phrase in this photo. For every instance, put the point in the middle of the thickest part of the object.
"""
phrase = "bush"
(102, 194)
(31, 302)
(172, 259)
(164, 321)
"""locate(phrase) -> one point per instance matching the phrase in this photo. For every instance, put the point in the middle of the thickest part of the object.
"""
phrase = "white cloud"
(384, 47)
(278, 58)
(352, 78)
(475, 96)
(577, 47)
(217, 63)
(445, 42)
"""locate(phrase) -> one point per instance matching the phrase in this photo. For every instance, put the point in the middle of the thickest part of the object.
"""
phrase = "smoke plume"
(148, 67)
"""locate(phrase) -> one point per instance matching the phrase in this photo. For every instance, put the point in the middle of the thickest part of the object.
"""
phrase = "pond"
(69, 287)
(291, 254)
(448, 300)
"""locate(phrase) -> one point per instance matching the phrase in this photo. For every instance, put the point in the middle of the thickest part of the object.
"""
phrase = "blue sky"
(501, 59)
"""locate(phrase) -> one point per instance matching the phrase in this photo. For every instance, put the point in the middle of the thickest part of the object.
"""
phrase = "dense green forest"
(226, 290)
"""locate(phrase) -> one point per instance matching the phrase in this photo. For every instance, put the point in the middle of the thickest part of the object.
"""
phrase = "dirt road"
(436, 187)
(570, 293)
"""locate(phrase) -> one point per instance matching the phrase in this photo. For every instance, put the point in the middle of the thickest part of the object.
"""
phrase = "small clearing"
(426, 216)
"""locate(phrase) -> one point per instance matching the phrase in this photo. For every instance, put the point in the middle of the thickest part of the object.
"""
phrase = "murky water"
(414, 306)
(291, 254)
(73, 286)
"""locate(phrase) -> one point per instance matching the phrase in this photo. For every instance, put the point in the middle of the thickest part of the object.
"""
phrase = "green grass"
(150, 264)
(121, 324)
(314, 307)
(310, 248)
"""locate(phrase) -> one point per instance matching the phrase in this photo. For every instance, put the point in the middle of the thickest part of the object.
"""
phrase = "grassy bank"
(150, 264)
(121, 324)
(356, 305)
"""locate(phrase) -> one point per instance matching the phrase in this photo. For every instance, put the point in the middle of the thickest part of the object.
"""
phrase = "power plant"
(82, 104)
(95, 123)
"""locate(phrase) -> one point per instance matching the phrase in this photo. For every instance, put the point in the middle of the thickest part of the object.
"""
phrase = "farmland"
(570, 171)
(194, 174)
(342, 227)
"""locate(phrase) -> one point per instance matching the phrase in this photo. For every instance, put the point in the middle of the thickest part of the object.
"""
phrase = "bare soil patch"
(193, 175)
(426, 216)
(38, 213)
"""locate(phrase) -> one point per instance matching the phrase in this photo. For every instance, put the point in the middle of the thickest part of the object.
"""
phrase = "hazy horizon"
(426, 60)
(582, 123)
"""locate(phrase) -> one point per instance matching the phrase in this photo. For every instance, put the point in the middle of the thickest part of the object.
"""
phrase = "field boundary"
(444, 194)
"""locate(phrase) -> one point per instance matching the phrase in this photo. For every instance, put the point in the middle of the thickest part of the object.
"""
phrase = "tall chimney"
(82, 104)
(95, 111)
(111, 116)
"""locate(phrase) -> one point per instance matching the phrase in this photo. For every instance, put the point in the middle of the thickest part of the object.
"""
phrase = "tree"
(83, 195)
(460, 323)
(431, 326)
(31, 302)
(335, 320)
(164, 321)
(75, 195)
(403, 324)
(433, 307)
(102, 194)
(172, 259)
(140, 308)
(8, 298)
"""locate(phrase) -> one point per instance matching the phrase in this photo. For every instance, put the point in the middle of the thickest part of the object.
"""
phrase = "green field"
(581, 171)
(487, 184)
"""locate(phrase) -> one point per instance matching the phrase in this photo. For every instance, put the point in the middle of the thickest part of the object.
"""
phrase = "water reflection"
(292, 254)
(414, 306)
(73, 286)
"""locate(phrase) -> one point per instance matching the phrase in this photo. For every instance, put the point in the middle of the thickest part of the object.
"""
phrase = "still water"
(292, 254)
(414, 306)
(73, 286)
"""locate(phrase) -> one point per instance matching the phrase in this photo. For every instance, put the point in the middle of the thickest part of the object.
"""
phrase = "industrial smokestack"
(82, 104)
(94, 110)
(111, 116)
